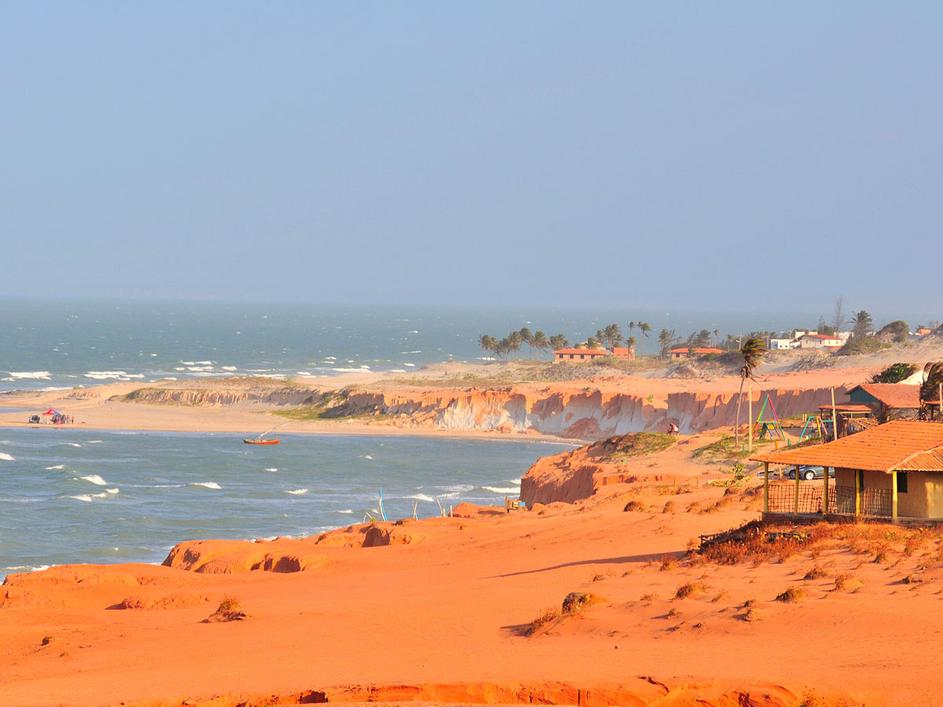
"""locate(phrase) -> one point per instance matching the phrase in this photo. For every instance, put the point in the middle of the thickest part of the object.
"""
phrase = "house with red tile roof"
(888, 401)
(891, 471)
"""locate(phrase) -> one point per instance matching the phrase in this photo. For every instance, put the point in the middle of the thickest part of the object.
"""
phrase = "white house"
(820, 341)
(783, 344)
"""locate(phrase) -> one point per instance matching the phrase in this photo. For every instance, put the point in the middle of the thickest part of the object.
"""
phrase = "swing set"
(769, 426)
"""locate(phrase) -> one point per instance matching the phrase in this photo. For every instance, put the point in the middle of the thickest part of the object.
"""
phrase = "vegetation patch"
(634, 444)
(793, 595)
(725, 450)
(894, 373)
(690, 590)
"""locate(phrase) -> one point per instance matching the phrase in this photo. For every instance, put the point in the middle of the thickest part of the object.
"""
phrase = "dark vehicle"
(808, 473)
(34, 419)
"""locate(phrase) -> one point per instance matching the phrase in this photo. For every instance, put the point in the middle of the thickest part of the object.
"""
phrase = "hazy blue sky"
(619, 154)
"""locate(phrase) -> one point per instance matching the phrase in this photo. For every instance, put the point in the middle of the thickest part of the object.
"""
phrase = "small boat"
(259, 440)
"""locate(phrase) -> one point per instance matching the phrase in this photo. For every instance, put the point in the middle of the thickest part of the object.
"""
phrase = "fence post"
(858, 480)
(766, 487)
(894, 495)
(825, 491)
(796, 499)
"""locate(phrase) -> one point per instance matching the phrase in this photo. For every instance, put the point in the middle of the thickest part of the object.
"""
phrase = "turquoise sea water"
(69, 495)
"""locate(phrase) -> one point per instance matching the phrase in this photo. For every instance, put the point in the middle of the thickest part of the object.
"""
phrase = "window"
(901, 481)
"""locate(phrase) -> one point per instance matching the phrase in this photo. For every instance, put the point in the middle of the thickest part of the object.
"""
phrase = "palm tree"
(611, 335)
(753, 350)
(540, 341)
(630, 343)
(527, 337)
(644, 327)
(666, 338)
(488, 343)
(592, 343)
(559, 341)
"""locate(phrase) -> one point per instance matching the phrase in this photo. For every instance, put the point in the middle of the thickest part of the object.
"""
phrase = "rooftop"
(698, 350)
(896, 446)
(584, 351)
(894, 395)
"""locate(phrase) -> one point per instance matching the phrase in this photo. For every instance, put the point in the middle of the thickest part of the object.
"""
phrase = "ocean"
(50, 344)
(69, 495)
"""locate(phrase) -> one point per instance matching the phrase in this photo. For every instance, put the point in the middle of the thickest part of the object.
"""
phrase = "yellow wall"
(924, 497)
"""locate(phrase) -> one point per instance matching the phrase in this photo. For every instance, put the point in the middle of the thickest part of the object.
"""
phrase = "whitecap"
(207, 485)
(89, 497)
(296, 492)
(55, 467)
(410, 365)
(272, 469)
(114, 375)
(407, 353)
(30, 375)
(501, 489)
(94, 479)
(229, 368)
(367, 456)
(422, 497)
(346, 511)
(94, 441)
(7, 457)
(73, 444)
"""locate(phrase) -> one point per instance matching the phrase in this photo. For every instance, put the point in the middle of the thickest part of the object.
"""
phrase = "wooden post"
(825, 492)
(857, 473)
(894, 495)
(834, 417)
(939, 399)
(795, 501)
(766, 487)
(750, 417)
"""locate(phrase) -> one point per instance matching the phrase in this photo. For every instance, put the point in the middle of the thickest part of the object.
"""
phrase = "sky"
(738, 155)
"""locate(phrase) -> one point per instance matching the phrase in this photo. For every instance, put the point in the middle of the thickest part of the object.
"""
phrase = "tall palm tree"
(559, 341)
(488, 343)
(540, 341)
(753, 350)
(526, 337)
(644, 327)
(666, 338)
(630, 343)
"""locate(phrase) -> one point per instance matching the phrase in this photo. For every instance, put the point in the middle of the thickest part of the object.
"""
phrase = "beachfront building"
(821, 341)
(783, 344)
(888, 401)
(892, 471)
(689, 352)
(584, 354)
(924, 331)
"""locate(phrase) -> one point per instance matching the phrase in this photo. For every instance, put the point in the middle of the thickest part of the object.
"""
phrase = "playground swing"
(771, 427)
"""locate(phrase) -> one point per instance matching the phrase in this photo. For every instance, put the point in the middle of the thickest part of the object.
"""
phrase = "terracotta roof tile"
(590, 352)
(905, 445)
(894, 395)
(699, 350)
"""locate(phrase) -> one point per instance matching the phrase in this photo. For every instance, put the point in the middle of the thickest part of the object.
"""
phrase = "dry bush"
(816, 572)
(548, 617)
(575, 602)
(648, 597)
(793, 595)
(848, 583)
(668, 563)
(720, 597)
(634, 506)
(228, 610)
(690, 589)
(669, 507)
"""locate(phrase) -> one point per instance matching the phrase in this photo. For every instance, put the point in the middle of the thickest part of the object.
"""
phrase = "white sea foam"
(346, 511)
(207, 485)
(29, 375)
(422, 497)
(55, 467)
(197, 363)
(73, 444)
(457, 488)
(89, 497)
(407, 353)
(273, 469)
(25, 568)
(297, 492)
(501, 489)
(516, 482)
(367, 456)
(94, 441)
(229, 368)
(94, 479)
(410, 365)
(113, 375)
(7, 457)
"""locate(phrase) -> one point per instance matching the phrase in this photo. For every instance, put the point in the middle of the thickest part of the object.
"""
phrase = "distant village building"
(890, 471)
(821, 341)
(783, 344)
(579, 354)
(924, 330)
(888, 401)
(686, 352)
